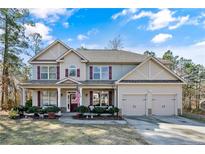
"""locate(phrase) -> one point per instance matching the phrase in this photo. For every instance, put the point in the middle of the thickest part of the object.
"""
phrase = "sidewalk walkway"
(68, 119)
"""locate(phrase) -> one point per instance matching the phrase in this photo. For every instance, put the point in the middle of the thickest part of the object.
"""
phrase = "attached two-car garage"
(150, 89)
(140, 100)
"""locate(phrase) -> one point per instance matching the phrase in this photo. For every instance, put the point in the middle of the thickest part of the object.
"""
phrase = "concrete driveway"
(169, 130)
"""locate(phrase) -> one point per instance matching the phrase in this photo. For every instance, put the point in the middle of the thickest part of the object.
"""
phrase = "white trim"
(67, 52)
(134, 94)
(157, 61)
(43, 62)
(59, 97)
(101, 71)
(48, 66)
(23, 96)
(68, 78)
(59, 58)
(69, 92)
(164, 93)
(81, 95)
(73, 69)
(149, 83)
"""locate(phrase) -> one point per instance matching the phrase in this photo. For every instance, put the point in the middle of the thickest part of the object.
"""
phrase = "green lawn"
(54, 132)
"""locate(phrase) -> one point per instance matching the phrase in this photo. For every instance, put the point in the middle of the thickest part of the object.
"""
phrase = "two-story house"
(135, 83)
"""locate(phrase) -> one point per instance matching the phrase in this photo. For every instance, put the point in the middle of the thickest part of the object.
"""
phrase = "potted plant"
(52, 110)
(116, 111)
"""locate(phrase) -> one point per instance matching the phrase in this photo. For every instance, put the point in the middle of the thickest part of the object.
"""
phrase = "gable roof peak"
(48, 47)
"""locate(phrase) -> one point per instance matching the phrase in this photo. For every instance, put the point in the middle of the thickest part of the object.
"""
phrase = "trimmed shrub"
(111, 111)
(116, 110)
(28, 104)
(13, 114)
(99, 110)
(33, 109)
(82, 109)
(52, 108)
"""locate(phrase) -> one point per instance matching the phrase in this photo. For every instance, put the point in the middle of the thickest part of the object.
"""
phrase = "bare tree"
(116, 43)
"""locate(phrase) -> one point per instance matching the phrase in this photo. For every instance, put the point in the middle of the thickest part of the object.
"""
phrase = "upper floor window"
(72, 70)
(101, 73)
(48, 72)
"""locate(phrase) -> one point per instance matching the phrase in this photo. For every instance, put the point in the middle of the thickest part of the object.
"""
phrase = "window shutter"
(58, 72)
(110, 72)
(91, 72)
(110, 97)
(66, 72)
(91, 97)
(38, 72)
(39, 98)
(78, 72)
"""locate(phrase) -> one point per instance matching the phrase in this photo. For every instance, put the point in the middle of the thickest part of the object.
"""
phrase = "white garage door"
(134, 104)
(163, 104)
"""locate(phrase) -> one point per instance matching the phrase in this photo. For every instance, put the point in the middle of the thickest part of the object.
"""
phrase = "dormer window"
(72, 71)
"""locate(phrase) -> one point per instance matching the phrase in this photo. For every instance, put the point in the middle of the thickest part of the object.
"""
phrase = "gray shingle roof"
(113, 56)
(36, 82)
(150, 81)
(91, 82)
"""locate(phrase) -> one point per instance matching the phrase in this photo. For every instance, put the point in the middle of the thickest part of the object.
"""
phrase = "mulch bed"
(99, 118)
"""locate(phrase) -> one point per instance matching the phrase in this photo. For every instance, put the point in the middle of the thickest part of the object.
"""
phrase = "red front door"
(73, 105)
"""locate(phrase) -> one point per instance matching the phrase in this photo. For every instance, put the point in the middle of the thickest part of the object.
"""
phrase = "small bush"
(13, 114)
(104, 104)
(82, 109)
(111, 111)
(99, 110)
(28, 104)
(41, 111)
(33, 109)
(116, 110)
(53, 108)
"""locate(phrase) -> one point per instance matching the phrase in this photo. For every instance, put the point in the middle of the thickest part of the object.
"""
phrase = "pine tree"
(13, 42)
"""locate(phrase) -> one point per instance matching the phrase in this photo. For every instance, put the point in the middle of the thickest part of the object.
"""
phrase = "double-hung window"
(52, 72)
(72, 70)
(101, 73)
(96, 73)
(44, 72)
(100, 98)
(104, 73)
(48, 72)
(49, 97)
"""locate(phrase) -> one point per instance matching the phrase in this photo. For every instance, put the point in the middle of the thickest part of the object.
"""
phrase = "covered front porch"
(70, 97)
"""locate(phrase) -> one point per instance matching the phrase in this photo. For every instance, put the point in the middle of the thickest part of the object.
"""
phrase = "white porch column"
(23, 96)
(115, 97)
(81, 95)
(59, 97)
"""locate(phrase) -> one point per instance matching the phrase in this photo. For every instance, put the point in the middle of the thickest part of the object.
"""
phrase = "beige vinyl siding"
(73, 59)
(117, 70)
(150, 71)
(53, 53)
